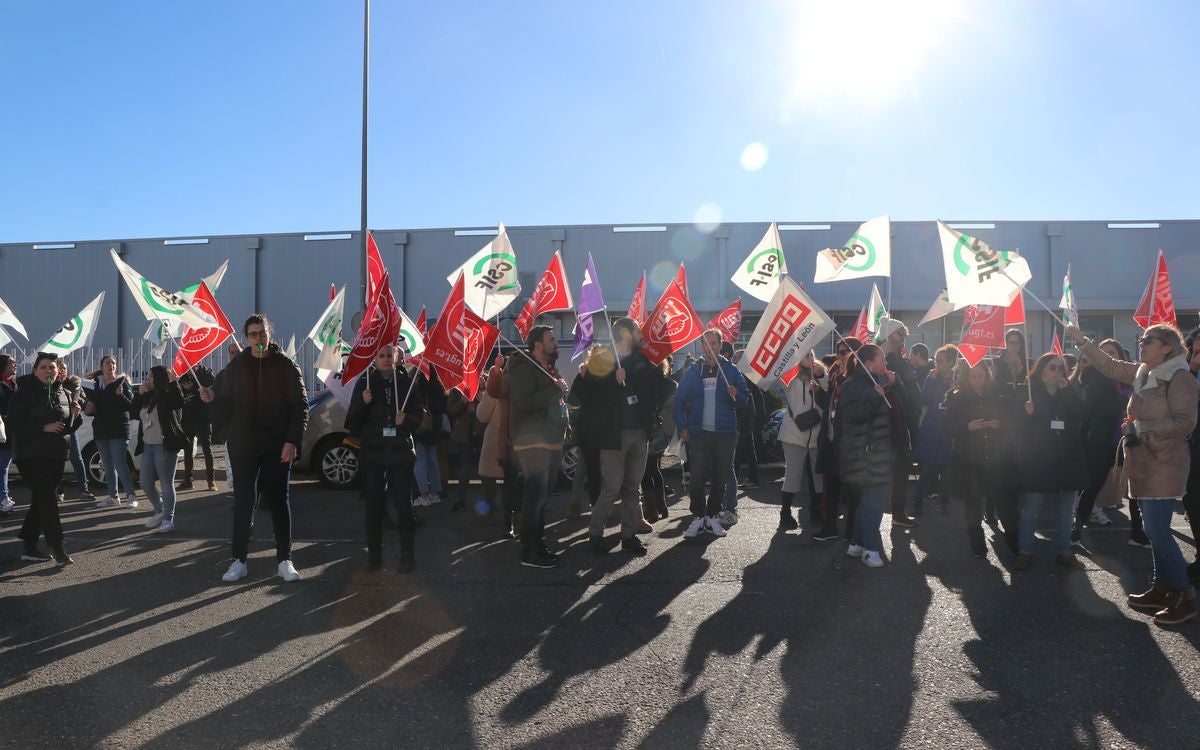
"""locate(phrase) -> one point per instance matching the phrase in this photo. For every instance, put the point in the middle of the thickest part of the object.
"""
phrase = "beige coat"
(493, 412)
(1159, 465)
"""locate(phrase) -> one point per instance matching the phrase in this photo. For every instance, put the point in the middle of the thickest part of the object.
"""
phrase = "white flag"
(4, 338)
(326, 333)
(1067, 303)
(875, 311)
(76, 333)
(978, 275)
(868, 252)
(791, 325)
(8, 318)
(411, 340)
(759, 273)
(290, 351)
(940, 308)
(157, 303)
(213, 281)
(490, 277)
(158, 333)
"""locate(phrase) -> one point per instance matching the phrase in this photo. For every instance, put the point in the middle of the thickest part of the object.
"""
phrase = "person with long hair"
(74, 388)
(827, 457)
(8, 386)
(109, 405)
(1158, 419)
(654, 486)
(41, 415)
(1105, 401)
(159, 406)
(933, 453)
(973, 417)
(197, 426)
(806, 400)
(1051, 457)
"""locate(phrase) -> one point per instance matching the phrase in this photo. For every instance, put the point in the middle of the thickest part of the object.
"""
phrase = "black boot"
(786, 521)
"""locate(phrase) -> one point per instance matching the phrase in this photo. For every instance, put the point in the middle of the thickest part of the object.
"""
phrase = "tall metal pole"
(362, 252)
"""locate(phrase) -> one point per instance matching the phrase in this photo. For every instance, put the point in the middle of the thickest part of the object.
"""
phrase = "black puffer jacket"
(1105, 406)
(1050, 449)
(32, 408)
(169, 408)
(111, 404)
(367, 421)
(260, 404)
(863, 429)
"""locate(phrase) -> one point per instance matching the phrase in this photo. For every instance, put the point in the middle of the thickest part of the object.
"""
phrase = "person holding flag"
(892, 334)
(159, 408)
(706, 405)
(260, 402)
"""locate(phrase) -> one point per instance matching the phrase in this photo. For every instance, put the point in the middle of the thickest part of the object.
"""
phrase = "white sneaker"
(715, 528)
(695, 528)
(288, 572)
(6, 505)
(728, 518)
(1100, 518)
(131, 501)
(108, 502)
(434, 498)
(166, 527)
(872, 559)
(154, 520)
(855, 550)
(237, 571)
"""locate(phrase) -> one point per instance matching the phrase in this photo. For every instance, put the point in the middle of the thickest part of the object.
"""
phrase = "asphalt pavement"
(762, 639)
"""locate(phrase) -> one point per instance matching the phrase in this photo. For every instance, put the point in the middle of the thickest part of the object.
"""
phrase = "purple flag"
(591, 298)
(584, 334)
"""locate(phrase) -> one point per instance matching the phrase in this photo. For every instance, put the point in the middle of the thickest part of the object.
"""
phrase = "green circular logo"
(865, 244)
(75, 325)
(968, 243)
(410, 343)
(150, 297)
(751, 265)
(512, 259)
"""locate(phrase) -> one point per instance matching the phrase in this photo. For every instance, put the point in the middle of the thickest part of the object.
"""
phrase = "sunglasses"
(1146, 339)
(842, 352)
(1054, 367)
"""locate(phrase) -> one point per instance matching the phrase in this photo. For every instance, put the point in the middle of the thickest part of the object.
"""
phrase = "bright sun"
(865, 52)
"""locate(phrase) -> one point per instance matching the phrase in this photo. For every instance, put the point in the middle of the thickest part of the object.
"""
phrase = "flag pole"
(854, 354)
(525, 354)
(613, 336)
(1025, 335)
(1153, 290)
(365, 270)
(411, 382)
(716, 356)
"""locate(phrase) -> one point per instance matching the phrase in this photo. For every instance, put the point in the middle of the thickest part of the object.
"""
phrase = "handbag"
(805, 420)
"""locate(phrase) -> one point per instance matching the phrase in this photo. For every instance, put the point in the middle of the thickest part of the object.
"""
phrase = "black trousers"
(747, 453)
(652, 477)
(42, 519)
(262, 476)
(710, 456)
(1191, 498)
(380, 483)
(974, 484)
(205, 447)
(591, 463)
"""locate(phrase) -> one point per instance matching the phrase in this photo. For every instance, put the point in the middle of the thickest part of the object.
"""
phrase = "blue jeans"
(731, 491)
(540, 467)
(81, 476)
(112, 454)
(871, 504)
(5, 462)
(1170, 569)
(161, 465)
(1064, 508)
(427, 471)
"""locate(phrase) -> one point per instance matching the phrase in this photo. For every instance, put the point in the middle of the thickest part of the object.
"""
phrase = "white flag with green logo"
(875, 312)
(978, 275)
(76, 333)
(290, 351)
(9, 318)
(759, 273)
(1067, 303)
(157, 332)
(326, 334)
(411, 339)
(157, 303)
(868, 252)
(490, 281)
(186, 294)
(940, 308)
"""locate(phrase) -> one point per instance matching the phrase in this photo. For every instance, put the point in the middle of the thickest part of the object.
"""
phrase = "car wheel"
(97, 476)
(335, 463)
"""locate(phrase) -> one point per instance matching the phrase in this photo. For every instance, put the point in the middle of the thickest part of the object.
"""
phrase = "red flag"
(673, 325)
(1056, 345)
(729, 322)
(476, 347)
(860, 331)
(681, 280)
(380, 326)
(983, 325)
(197, 343)
(451, 346)
(972, 354)
(551, 295)
(637, 305)
(1014, 314)
(375, 268)
(421, 322)
(1157, 304)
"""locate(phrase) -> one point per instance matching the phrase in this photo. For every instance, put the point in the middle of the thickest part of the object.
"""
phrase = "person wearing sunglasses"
(1050, 457)
(1160, 416)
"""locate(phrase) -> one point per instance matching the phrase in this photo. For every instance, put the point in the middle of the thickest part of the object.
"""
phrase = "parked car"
(772, 448)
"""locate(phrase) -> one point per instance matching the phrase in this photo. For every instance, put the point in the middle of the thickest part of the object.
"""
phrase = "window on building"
(1097, 327)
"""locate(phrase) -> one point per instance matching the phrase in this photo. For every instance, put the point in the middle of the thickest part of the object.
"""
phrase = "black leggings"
(42, 477)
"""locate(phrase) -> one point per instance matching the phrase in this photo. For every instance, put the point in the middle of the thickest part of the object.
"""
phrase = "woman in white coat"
(806, 398)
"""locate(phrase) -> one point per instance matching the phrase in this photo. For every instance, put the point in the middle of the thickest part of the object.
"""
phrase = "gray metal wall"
(288, 276)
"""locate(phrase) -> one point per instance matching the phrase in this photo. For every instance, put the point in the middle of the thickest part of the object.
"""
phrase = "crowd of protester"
(1006, 440)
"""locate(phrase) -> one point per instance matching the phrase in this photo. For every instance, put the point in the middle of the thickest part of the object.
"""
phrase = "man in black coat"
(893, 333)
(260, 403)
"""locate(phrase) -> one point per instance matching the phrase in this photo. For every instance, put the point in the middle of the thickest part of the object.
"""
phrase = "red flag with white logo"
(375, 268)
(380, 325)
(681, 280)
(459, 340)
(673, 325)
(729, 322)
(983, 329)
(551, 295)
(1157, 304)
(197, 343)
(860, 330)
(477, 346)
(637, 305)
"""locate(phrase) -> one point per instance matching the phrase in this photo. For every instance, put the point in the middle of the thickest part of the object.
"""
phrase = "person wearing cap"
(892, 334)
(41, 416)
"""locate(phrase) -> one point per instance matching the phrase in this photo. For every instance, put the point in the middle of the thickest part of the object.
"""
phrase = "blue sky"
(132, 119)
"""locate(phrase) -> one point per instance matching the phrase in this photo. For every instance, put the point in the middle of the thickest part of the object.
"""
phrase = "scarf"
(1148, 378)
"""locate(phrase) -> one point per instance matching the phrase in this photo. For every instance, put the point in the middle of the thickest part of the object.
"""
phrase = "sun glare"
(866, 52)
